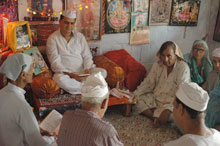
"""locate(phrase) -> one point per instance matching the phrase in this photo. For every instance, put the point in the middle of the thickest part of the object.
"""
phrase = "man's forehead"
(69, 19)
(168, 50)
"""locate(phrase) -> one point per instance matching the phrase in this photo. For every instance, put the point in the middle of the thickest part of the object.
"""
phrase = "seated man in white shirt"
(69, 55)
(18, 125)
(188, 113)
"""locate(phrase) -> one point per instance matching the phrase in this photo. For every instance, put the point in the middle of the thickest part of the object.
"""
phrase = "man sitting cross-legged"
(157, 91)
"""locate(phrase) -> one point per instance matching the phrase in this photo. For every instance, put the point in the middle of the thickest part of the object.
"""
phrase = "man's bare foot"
(156, 123)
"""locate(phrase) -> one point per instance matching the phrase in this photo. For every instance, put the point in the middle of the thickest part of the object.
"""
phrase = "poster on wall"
(185, 12)
(40, 11)
(160, 12)
(140, 5)
(88, 17)
(139, 28)
(118, 16)
(216, 35)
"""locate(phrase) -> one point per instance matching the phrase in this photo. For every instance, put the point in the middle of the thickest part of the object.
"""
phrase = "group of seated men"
(166, 94)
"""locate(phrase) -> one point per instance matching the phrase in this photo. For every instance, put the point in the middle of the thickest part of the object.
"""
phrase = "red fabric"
(134, 71)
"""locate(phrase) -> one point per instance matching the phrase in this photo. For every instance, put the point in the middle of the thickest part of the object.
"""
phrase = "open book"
(52, 122)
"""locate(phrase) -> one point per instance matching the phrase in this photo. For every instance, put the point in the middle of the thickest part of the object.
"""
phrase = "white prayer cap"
(15, 64)
(69, 14)
(216, 52)
(193, 96)
(95, 89)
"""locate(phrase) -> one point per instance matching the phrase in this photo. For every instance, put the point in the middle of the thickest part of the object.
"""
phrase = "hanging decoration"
(139, 23)
(118, 16)
(185, 12)
(160, 12)
(88, 17)
(40, 11)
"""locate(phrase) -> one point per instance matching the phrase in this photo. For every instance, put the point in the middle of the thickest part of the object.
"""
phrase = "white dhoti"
(71, 85)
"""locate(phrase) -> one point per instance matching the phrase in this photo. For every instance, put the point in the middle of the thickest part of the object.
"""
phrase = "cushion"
(115, 73)
(44, 87)
(134, 71)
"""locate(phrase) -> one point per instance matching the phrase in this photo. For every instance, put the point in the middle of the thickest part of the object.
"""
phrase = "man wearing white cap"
(18, 125)
(69, 55)
(84, 127)
(156, 93)
(213, 76)
(188, 113)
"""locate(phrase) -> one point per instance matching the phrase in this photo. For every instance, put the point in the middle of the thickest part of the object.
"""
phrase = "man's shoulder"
(182, 141)
(54, 34)
(181, 64)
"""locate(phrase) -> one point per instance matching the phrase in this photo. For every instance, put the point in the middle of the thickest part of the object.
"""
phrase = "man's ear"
(22, 75)
(181, 108)
(105, 101)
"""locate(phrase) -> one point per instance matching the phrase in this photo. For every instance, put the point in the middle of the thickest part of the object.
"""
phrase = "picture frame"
(40, 65)
(216, 35)
(139, 28)
(88, 17)
(160, 12)
(19, 35)
(118, 16)
(185, 12)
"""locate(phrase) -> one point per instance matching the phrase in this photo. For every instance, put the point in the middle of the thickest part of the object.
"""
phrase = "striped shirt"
(86, 128)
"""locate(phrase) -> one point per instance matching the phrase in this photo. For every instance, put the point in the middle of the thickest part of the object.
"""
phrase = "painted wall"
(183, 36)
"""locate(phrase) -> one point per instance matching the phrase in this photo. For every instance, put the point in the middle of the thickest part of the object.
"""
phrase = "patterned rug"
(138, 130)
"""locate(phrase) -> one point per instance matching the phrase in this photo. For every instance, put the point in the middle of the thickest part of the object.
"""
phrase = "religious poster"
(40, 65)
(140, 5)
(160, 12)
(88, 17)
(118, 16)
(40, 11)
(185, 12)
(216, 35)
(139, 28)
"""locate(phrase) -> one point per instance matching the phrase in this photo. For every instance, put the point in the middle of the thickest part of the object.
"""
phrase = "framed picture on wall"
(140, 5)
(117, 16)
(216, 35)
(88, 17)
(185, 12)
(160, 12)
(40, 11)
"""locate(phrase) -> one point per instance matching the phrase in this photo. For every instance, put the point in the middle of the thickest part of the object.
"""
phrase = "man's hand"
(75, 76)
(87, 71)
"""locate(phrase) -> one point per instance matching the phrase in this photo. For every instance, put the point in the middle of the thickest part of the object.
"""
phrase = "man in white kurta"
(69, 55)
(156, 93)
(188, 113)
(18, 125)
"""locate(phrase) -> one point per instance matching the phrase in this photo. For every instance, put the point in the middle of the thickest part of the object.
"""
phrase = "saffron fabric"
(18, 125)
(86, 128)
(134, 71)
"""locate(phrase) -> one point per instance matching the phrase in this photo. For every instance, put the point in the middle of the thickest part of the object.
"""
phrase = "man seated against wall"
(213, 76)
(18, 125)
(188, 113)
(69, 55)
(156, 93)
(84, 127)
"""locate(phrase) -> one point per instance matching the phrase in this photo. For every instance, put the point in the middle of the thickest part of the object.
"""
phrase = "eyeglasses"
(198, 50)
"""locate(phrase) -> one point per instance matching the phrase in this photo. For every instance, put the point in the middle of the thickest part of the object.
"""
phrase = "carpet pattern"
(138, 130)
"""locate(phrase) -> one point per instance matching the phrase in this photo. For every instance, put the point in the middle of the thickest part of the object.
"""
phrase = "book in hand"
(52, 122)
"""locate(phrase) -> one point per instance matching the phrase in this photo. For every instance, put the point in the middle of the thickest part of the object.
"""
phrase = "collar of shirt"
(15, 88)
(82, 112)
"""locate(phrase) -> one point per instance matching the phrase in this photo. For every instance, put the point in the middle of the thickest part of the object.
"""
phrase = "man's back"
(81, 127)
